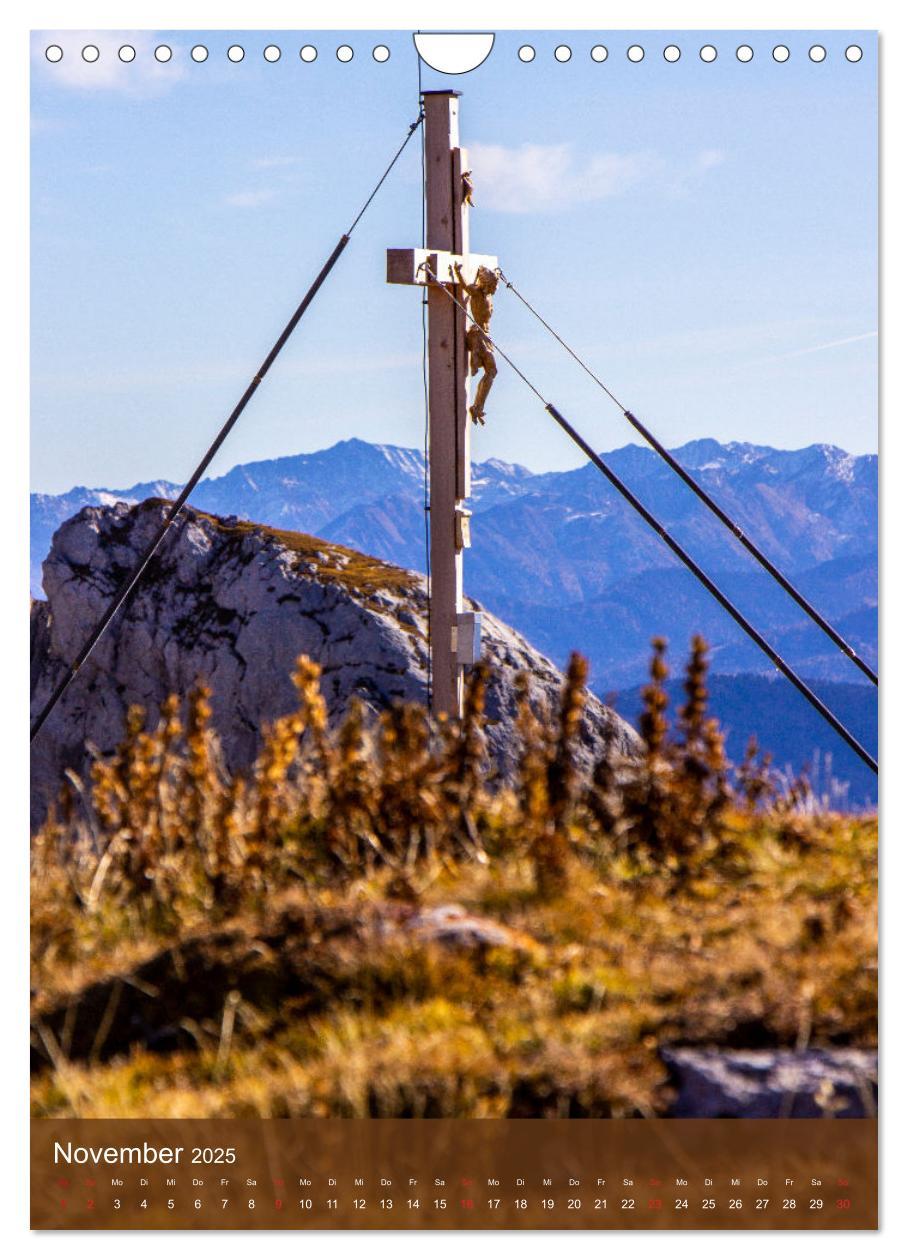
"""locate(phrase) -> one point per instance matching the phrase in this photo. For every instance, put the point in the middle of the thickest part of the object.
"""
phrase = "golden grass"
(332, 562)
(207, 946)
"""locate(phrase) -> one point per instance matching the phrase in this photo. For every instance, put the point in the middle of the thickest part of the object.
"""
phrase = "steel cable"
(129, 584)
(628, 495)
(746, 542)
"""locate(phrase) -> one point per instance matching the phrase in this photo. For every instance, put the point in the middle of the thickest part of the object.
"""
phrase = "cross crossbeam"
(427, 266)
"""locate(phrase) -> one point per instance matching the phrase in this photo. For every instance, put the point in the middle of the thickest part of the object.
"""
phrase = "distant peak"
(503, 468)
(709, 452)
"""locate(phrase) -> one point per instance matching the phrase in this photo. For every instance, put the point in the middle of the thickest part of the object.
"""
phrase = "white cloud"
(144, 76)
(541, 177)
(250, 198)
(708, 158)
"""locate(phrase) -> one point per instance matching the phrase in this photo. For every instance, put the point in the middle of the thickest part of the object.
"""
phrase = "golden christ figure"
(479, 297)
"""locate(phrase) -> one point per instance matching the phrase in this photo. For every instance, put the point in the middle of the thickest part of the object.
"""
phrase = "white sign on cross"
(454, 633)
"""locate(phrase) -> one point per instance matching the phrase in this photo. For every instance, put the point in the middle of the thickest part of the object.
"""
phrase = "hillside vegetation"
(771, 710)
(374, 922)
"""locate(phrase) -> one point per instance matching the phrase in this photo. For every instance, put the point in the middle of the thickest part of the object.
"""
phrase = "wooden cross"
(454, 633)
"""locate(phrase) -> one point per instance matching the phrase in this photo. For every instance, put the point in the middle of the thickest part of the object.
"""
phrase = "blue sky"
(705, 234)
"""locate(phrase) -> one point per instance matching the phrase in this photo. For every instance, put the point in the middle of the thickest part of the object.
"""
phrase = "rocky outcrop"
(772, 1084)
(235, 604)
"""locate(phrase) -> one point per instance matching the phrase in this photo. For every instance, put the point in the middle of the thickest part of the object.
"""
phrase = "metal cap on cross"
(454, 632)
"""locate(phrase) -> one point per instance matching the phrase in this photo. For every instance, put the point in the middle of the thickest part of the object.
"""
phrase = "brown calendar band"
(454, 1174)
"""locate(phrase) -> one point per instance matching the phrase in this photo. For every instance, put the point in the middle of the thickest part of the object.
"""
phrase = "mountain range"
(563, 559)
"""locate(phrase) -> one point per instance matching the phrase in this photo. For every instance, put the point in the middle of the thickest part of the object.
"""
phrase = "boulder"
(772, 1084)
(454, 927)
(235, 604)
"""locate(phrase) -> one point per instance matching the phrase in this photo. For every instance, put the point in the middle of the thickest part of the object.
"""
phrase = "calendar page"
(454, 630)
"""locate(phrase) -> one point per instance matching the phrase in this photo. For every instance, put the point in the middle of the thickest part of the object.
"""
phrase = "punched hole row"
(199, 53)
(381, 53)
(672, 53)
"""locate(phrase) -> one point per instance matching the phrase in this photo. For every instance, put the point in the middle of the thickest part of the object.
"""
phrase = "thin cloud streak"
(251, 198)
(826, 345)
(830, 345)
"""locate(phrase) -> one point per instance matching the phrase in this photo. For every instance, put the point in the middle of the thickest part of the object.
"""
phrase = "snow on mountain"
(556, 552)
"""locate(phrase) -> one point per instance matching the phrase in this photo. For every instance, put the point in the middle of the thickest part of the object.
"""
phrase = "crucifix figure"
(448, 270)
(482, 359)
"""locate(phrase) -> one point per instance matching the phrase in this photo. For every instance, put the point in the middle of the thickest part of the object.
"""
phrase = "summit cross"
(446, 264)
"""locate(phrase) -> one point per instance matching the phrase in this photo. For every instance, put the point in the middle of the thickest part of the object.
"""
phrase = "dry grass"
(330, 562)
(258, 945)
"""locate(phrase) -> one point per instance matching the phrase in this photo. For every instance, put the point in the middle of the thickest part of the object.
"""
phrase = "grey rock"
(453, 926)
(235, 604)
(772, 1084)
